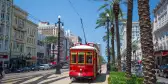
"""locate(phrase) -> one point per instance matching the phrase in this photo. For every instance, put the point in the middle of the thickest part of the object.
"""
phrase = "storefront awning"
(161, 53)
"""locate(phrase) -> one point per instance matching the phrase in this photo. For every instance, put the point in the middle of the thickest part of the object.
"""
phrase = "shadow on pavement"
(100, 78)
(55, 80)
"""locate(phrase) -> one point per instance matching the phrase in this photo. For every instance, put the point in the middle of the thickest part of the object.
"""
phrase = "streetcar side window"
(89, 57)
(73, 57)
(81, 57)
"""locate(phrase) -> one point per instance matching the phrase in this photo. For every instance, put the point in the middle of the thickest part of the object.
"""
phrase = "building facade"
(160, 26)
(18, 32)
(23, 39)
(42, 54)
(100, 48)
(52, 30)
(135, 37)
(31, 42)
(5, 29)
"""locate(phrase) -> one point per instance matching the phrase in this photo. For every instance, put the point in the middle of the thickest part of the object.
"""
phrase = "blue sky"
(48, 10)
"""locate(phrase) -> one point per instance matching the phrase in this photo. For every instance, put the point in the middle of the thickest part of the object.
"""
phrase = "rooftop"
(84, 47)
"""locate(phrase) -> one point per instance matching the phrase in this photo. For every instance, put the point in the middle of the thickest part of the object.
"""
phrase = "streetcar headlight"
(80, 69)
(79, 74)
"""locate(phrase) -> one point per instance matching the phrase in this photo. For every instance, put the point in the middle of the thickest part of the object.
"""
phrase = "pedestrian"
(1, 71)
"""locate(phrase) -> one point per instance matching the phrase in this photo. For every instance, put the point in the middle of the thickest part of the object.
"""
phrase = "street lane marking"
(14, 79)
(52, 76)
(51, 79)
(47, 80)
(30, 80)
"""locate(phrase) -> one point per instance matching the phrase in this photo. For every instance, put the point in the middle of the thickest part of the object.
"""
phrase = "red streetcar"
(84, 61)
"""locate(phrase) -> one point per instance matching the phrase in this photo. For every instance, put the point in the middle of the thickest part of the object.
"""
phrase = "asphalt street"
(30, 74)
(48, 77)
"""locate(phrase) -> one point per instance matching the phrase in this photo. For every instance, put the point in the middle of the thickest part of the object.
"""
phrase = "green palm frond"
(134, 45)
(103, 6)
(50, 39)
(110, 36)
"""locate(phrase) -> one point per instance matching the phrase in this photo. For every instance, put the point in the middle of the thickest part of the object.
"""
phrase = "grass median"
(120, 78)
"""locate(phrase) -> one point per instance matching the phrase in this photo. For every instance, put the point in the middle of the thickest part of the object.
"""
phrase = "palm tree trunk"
(146, 42)
(129, 38)
(118, 45)
(116, 11)
(112, 43)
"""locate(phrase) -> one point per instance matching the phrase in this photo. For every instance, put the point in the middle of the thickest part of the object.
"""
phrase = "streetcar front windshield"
(89, 57)
(81, 57)
(73, 57)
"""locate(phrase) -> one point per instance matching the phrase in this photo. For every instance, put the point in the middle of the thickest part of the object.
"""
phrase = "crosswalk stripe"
(14, 79)
(33, 79)
(53, 75)
(9, 83)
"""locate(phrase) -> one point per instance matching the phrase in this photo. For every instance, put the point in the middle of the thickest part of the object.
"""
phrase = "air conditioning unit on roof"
(90, 44)
(77, 44)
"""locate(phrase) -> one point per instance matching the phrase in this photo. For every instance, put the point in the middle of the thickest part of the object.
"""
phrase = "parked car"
(7, 71)
(34, 68)
(44, 66)
(18, 70)
(26, 69)
(163, 70)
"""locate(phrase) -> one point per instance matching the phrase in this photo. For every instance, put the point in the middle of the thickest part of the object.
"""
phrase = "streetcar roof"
(83, 47)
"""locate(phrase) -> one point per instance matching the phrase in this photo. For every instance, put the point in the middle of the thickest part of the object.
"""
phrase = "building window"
(7, 30)
(16, 20)
(14, 46)
(1, 28)
(6, 44)
(7, 17)
(2, 15)
(1, 44)
(17, 47)
(21, 23)
(21, 47)
(27, 30)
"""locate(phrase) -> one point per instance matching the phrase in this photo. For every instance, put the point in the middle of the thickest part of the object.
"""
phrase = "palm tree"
(112, 44)
(146, 42)
(101, 22)
(50, 40)
(108, 6)
(129, 38)
(116, 12)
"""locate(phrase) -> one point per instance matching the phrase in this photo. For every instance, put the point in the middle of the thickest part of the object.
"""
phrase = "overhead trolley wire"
(79, 18)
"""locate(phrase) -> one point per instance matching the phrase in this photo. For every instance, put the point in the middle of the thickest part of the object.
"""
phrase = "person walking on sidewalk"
(1, 71)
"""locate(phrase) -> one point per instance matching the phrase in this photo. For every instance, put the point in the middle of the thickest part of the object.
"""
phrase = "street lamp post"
(28, 58)
(53, 47)
(58, 48)
(108, 49)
